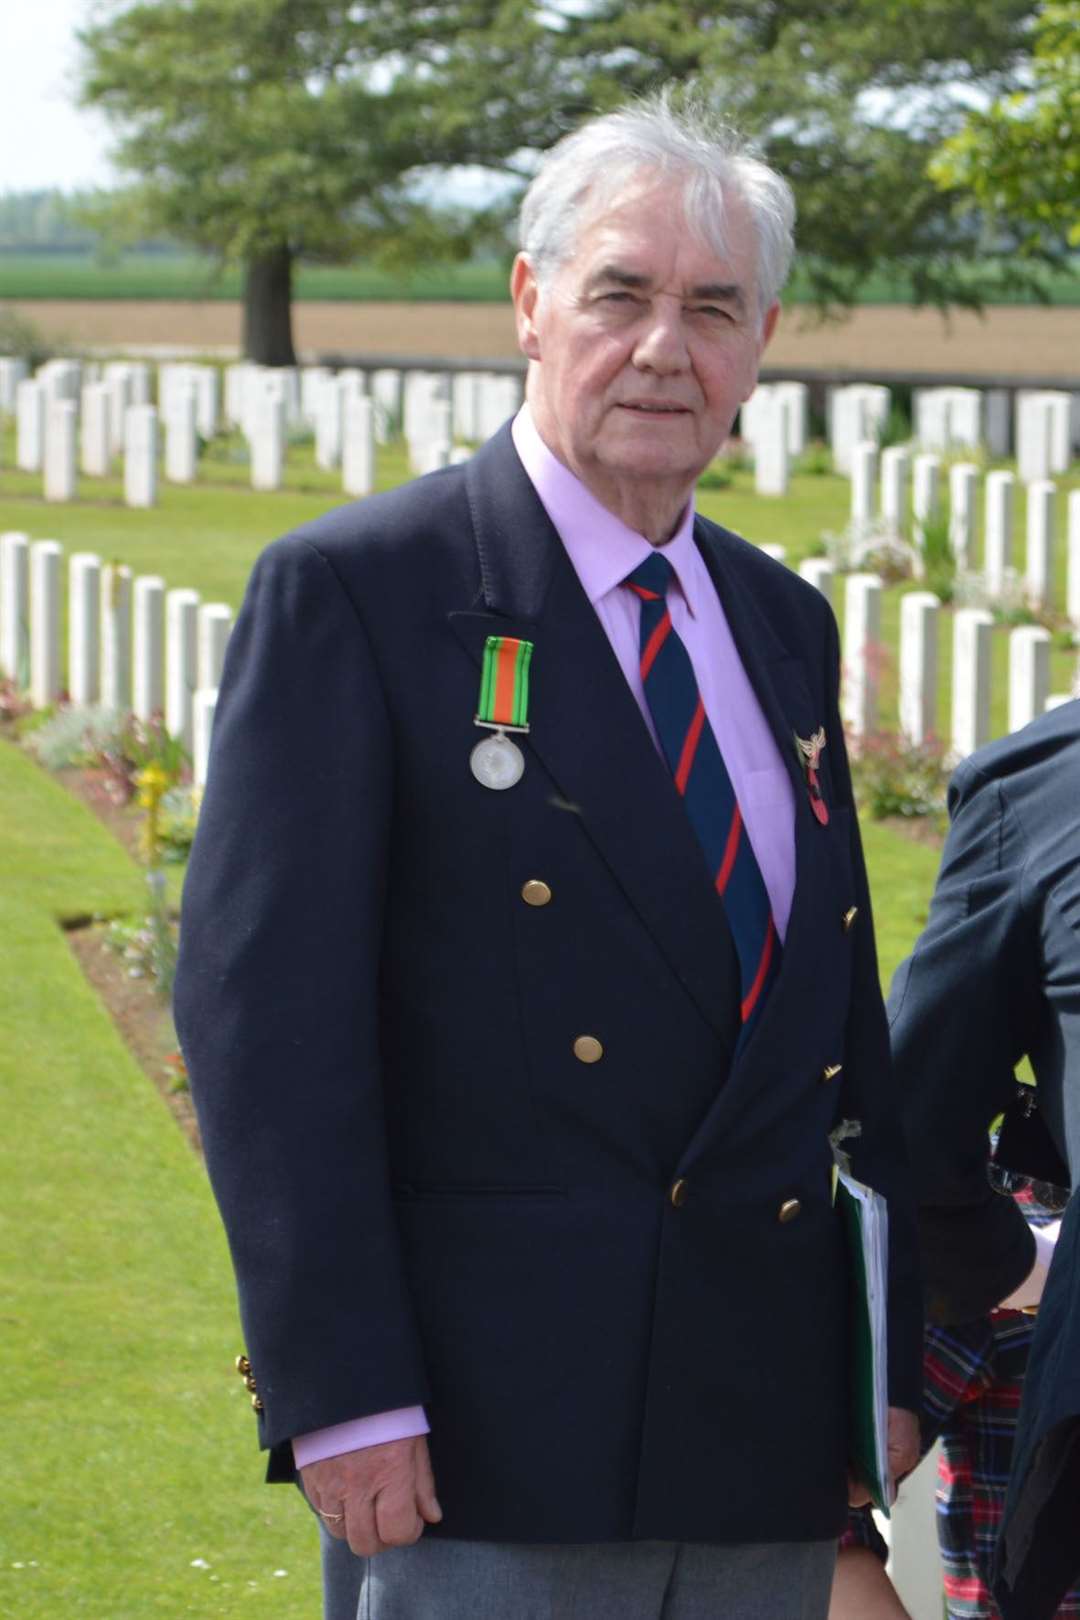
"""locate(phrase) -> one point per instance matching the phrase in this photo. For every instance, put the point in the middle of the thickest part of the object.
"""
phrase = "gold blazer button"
(831, 1070)
(536, 892)
(848, 919)
(587, 1049)
(788, 1210)
(678, 1193)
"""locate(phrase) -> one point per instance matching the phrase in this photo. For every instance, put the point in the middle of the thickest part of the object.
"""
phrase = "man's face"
(645, 342)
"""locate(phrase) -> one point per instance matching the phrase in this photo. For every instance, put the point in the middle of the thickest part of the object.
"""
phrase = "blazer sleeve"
(959, 1009)
(277, 1001)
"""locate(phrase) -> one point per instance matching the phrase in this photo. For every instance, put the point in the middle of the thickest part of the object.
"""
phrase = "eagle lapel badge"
(810, 750)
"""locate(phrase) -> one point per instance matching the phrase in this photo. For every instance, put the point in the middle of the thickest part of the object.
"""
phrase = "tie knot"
(651, 578)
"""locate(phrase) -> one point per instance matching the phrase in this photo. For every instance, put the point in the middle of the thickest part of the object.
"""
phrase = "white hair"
(658, 136)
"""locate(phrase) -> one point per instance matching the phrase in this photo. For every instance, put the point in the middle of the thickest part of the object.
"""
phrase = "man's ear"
(525, 292)
(768, 325)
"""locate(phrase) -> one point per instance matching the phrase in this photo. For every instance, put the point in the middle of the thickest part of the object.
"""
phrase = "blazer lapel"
(587, 731)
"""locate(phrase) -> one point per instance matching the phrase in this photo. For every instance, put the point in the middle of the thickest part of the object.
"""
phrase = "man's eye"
(712, 312)
(619, 297)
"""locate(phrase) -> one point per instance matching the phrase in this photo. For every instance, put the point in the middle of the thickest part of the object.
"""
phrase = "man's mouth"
(653, 408)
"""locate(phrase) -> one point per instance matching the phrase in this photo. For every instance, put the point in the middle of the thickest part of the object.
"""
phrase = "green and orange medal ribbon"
(503, 706)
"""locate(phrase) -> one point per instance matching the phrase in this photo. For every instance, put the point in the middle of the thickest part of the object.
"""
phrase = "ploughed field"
(1005, 341)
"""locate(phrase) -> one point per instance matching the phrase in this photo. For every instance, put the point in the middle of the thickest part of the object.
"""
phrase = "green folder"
(866, 1220)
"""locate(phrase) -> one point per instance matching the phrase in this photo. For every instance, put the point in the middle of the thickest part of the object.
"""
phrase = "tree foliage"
(265, 130)
(1020, 157)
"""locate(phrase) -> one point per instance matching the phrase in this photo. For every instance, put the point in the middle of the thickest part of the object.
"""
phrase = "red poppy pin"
(810, 749)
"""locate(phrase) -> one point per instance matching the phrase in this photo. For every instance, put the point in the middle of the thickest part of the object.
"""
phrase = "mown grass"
(129, 1450)
(156, 275)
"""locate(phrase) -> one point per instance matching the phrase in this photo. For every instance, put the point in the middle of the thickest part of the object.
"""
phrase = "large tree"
(267, 130)
(263, 131)
(1020, 156)
(850, 99)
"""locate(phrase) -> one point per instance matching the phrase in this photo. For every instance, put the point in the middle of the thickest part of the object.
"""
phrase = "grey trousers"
(440, 1579)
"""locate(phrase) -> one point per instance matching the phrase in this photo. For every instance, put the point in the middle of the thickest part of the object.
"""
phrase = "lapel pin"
(496, 761)
(810, 751)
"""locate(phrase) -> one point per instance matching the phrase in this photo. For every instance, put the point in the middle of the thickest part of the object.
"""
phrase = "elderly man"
(528, 965)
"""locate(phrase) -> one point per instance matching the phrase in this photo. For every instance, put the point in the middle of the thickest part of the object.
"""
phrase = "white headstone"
(963, 484)
(770, 443)
(795, 397)
(29, 426)
(358, 447)
(1000, 486)
(313, 379)
(466, 402)
(15, 608)
(1039, 582)
(895, 474)
(863, 477)
(94, 431)
(925, 495)
(203, 726)
(140, 456)
(45, 600)
(1043, 433)
(818, 572)
(972, 630)
(61, 434)
(948, 417)
(12, 372)
(84, 628)
(1072, 607)
(148, 655)
(919, 615)
(116, 635)
(181, 439)
(862, 652)
(181, 663)
(1029, 673)
(214, 625)
(118, 380)
(386, 392)
(268, 443)
(856, 413)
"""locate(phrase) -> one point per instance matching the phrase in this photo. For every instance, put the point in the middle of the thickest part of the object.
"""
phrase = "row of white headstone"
(880, 489)
(133, 645)
(66, 419)
(970, 726)
(1046, 426)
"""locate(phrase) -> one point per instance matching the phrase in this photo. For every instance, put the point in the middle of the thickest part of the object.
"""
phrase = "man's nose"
(661, 345)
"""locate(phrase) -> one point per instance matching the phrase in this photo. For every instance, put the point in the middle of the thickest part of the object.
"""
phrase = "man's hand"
(903, 1449)
(385, 1494)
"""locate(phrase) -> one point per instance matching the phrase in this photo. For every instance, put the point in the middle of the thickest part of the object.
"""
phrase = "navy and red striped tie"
(702, 780)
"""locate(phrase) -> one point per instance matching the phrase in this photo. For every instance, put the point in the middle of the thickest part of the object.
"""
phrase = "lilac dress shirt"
(604, 551)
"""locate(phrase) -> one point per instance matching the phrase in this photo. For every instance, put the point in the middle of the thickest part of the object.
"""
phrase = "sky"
(45, 140)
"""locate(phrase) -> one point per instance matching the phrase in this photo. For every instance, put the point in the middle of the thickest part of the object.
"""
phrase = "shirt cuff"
(376, 1430)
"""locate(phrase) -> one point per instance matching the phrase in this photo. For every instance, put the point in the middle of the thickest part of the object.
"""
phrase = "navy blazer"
(429, 1198)
(995, 975)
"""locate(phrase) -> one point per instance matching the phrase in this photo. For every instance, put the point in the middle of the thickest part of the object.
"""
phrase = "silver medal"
(496, 762)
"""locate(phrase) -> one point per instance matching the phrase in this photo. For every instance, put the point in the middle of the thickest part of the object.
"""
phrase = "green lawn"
(129, 1449)
(155, 275)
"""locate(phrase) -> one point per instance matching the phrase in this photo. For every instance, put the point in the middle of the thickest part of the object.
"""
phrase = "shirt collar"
(601, 547)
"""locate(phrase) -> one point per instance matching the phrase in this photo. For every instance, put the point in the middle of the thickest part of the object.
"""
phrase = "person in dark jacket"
(527, 966)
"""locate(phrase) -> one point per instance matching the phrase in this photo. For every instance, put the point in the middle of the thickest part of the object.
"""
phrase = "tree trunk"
(268, 308)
